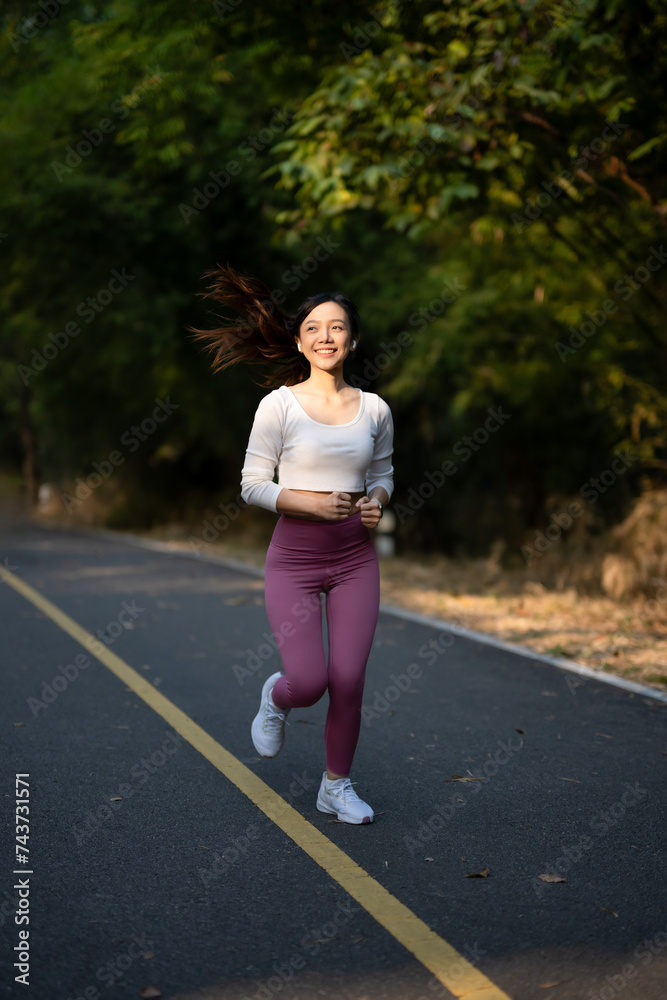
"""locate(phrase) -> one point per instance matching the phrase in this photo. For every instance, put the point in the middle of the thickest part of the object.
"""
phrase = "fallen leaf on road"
(428, 859)
(519, 731)
(116, 798)
(19, 723)
(552, 878)
(461, 777)
(483, 874)
(545, 986)
(606, 736)
(150, 992)
(572, 779)
(607, 910)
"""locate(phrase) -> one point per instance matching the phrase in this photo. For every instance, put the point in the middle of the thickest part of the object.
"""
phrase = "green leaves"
(513, 148)
(655, 143)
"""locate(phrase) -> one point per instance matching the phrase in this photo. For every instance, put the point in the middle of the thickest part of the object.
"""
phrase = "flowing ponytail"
(266, 334)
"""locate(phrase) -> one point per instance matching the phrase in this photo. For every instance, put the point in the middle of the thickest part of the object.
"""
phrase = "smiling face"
(325, 336)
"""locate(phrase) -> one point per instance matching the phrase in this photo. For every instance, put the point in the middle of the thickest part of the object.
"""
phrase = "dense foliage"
(484, 179)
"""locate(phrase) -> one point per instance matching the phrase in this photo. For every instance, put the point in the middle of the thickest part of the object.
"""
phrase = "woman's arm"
(262, 456)
(334, 506)
(380, 474)
(291, 502)
(380, 493)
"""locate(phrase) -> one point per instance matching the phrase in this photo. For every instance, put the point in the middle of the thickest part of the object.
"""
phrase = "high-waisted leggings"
(304, 559)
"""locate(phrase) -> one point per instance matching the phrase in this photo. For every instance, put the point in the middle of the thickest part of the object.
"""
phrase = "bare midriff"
(325, 493)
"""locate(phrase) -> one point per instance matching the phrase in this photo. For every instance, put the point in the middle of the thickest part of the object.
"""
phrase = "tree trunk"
(31, 469)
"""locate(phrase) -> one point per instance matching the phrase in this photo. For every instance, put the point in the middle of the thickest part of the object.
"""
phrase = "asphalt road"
(150, 868)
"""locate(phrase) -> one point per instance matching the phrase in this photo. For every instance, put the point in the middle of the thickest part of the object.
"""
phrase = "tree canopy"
(487, 178)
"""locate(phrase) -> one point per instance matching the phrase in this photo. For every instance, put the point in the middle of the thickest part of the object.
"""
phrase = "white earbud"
(354, 344)
(299, 346)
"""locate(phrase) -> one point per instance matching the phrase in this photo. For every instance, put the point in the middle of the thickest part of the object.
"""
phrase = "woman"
(332, 445)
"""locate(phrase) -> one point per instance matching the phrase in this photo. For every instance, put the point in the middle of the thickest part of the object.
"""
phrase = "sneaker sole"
(265, 756)
(257, 722)
(333, 812)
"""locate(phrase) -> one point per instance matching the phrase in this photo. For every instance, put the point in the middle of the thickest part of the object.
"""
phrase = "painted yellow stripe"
(449, 967)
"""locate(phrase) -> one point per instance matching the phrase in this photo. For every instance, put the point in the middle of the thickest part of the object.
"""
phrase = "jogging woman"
(332, 445)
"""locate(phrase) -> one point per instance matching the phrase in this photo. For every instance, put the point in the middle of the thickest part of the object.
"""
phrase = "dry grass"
(628, 639)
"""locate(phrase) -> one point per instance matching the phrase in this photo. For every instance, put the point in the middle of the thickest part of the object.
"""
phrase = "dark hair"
(266, 333)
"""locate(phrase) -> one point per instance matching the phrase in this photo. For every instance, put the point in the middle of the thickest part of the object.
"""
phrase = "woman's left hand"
(370, 512)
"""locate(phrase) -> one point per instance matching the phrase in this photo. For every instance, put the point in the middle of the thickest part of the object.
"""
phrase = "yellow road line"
(453, 970)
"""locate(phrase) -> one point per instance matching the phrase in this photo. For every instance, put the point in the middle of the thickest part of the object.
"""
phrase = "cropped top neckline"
(319, 422)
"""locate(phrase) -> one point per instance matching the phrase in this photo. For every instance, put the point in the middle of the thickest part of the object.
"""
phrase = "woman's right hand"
(336, 506)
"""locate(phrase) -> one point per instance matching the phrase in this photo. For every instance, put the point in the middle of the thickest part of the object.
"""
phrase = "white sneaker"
(339, 797)
(268, 727)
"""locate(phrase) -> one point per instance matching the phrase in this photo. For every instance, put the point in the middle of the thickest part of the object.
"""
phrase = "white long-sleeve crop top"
(352, 457)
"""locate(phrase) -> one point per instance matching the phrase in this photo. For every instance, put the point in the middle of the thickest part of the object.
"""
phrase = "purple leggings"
(305, 558)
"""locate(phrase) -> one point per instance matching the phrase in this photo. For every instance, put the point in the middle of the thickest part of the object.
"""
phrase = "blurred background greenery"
(405, 154)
